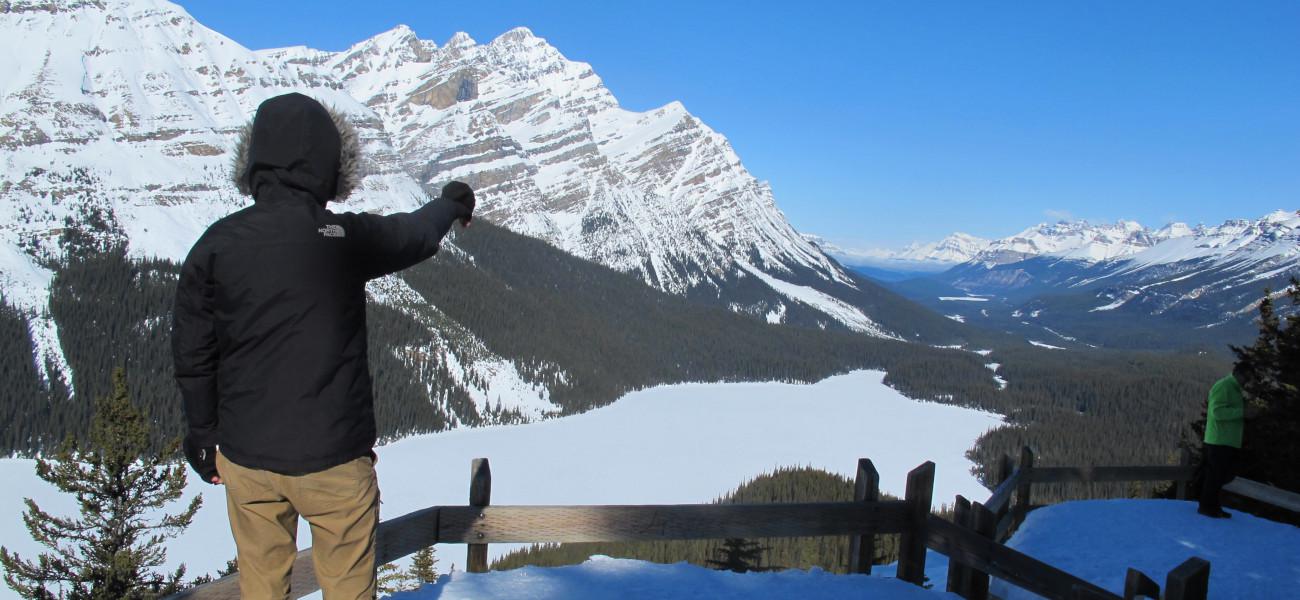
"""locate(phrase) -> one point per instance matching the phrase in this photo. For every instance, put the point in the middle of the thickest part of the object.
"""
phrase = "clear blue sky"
(879, 123)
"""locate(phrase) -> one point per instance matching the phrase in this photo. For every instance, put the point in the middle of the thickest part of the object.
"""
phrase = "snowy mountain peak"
(398, 37)
(517, 35)
(133, 113)
(954, 249)
(460, 39)
(1071, 240)
(1283, 217)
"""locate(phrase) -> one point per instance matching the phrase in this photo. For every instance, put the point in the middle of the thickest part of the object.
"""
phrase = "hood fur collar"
(349, 176)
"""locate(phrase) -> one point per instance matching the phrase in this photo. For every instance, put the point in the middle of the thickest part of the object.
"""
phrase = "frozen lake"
(674, 444)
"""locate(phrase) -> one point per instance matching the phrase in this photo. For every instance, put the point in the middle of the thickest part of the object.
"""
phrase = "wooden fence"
(973, 542)
(1012, 499)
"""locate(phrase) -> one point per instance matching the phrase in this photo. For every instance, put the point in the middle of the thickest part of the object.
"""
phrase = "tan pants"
(341, 504)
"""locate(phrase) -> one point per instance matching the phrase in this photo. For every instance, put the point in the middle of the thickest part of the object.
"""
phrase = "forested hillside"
(588, 334)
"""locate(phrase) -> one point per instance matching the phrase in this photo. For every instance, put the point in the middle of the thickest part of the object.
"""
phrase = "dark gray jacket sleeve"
(194, 345)
(389, 243)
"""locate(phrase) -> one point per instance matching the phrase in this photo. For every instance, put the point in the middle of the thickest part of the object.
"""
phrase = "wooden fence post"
(983, 521)
(959, 574)
(1138, 585)
(911, 544)
(862, 547)
(480, 494)
(1189, 581)
(1005, 466)
(1026, 481)
(1185, 460)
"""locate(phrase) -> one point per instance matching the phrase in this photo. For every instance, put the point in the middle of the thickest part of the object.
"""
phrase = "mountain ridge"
(1122, 283)
(118, 120)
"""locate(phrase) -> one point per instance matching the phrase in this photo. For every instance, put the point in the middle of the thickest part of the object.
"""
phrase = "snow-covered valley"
(673, 444)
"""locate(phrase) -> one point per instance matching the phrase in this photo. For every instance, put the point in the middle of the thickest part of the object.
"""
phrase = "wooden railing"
(998, 517)
(973, 542)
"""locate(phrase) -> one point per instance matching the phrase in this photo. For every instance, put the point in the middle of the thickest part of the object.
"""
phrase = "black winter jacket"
(269, 330)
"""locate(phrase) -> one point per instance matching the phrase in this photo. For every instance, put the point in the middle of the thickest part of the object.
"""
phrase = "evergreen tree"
(1271, 444)
(109, 553)
(391, 580)
(739, 556)
(422, 567)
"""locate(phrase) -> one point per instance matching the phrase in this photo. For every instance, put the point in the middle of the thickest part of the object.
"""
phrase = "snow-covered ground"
(602, 578)
(1098, 540)
(665, 445)
(1250, 558)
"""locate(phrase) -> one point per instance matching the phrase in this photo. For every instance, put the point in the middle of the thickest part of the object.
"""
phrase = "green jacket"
(1224, 420)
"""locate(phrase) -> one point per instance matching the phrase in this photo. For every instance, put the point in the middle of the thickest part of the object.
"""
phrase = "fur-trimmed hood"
(301, 144)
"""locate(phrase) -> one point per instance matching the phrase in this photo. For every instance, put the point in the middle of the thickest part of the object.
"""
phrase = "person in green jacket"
(1224, 425)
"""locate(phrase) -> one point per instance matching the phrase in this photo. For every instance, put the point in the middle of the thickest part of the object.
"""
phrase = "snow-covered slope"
(602, 577)
(118, 117)
(1099, 540)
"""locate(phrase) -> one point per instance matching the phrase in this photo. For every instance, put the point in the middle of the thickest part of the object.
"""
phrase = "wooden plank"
(958, 574)
(982, 522)
(1102, 474)
(862, 546)
(302, 581)
(1264, 493)
(558, 524)
(1138, 585)
(1026, 480)
(480, 495)
(406, 535)
(911, 545)
(1189, 581)
(1005, 468)
(1000, 501)
(1004, 563)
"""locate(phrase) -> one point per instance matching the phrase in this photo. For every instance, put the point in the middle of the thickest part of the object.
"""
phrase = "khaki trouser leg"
(265, 526)
(342, 505)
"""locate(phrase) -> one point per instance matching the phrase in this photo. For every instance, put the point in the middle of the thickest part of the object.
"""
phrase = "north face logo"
(331, 231)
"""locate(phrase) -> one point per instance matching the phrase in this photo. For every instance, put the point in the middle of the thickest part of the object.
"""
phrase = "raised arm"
(389, 243)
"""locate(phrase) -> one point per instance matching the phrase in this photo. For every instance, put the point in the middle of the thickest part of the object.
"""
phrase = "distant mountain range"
(1114, 284)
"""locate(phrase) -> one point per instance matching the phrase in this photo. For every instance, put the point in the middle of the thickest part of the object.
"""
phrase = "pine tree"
(1271, 443)
(422, 567)
(109, 553)
(391, 580)
(739, 556)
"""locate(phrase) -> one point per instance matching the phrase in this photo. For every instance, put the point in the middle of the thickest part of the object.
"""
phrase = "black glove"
(203, 460)
(461, 194)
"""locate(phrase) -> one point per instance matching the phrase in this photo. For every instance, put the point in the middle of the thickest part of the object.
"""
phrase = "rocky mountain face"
(117, 120)
(1192, 283)
(934, 256)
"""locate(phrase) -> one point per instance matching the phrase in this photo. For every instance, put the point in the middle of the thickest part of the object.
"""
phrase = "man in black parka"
(269, 341)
